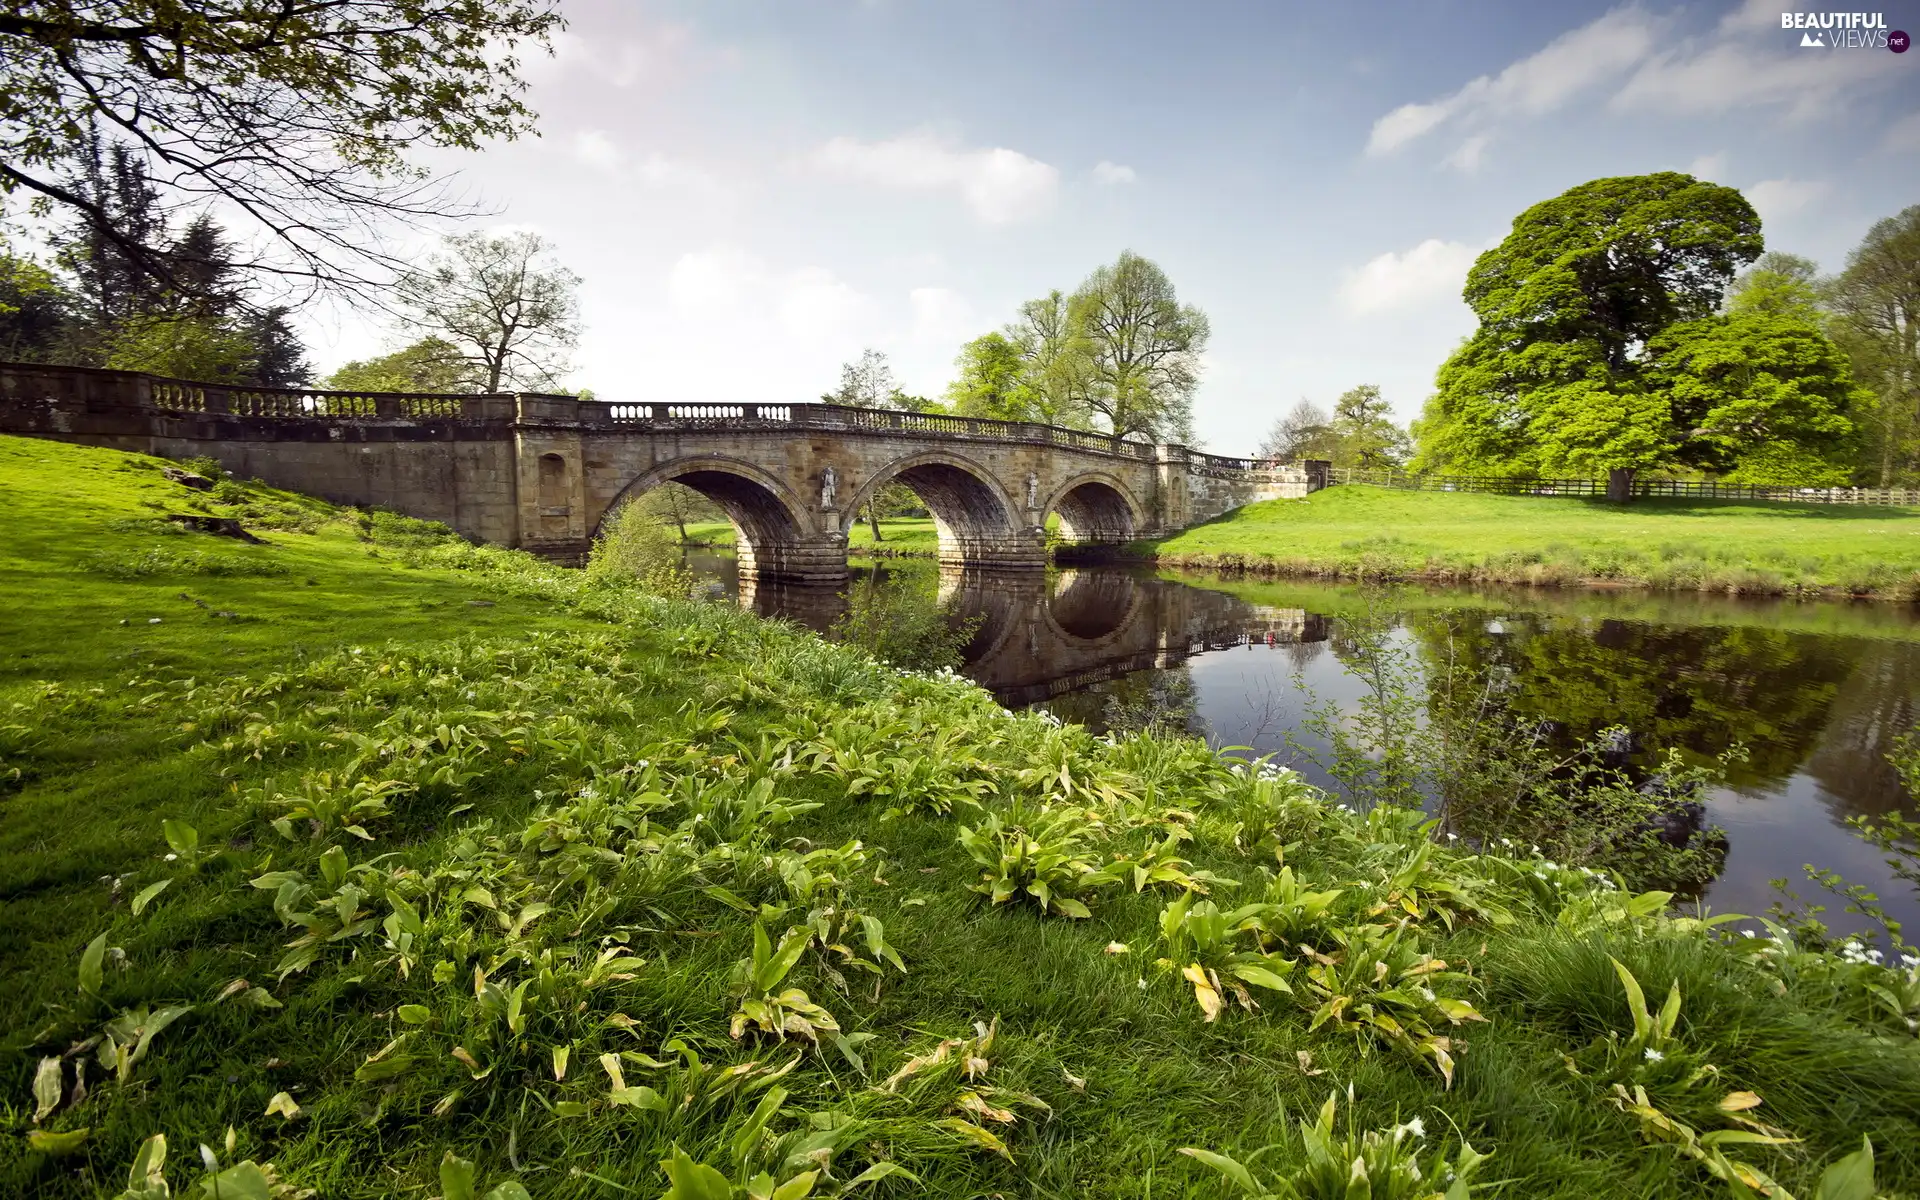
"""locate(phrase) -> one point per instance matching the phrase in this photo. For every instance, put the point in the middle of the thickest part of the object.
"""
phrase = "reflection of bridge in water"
(1041, 638)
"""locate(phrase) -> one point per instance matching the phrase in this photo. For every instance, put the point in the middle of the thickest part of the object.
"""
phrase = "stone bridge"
(543, 472)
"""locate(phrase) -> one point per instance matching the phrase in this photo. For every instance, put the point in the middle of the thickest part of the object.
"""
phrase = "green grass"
(1735, 546)
(644, 769)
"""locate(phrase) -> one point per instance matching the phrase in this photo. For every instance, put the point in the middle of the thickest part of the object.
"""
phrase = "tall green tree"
(1143, 349)
(1056, 367)
(1553, 379)
(1876, 302)
(1781, 285)
(299, 114)
(1363, 432)
(991, 380)
(35, 309)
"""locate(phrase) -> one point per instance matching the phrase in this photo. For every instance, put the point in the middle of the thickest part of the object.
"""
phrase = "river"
(1816, 693)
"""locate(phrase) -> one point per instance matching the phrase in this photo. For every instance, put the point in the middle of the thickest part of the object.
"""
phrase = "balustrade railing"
(113, 389)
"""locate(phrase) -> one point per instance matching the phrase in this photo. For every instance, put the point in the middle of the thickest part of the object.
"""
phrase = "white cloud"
(941, 315)
(1000, 186)
(1733, 76)
(1709, 166)
(1776, 198)
(595, 147)
(727, 284)
(1430, 271)
(1540, 83)
(1467, 156)
(651, 56)
(1110, 173)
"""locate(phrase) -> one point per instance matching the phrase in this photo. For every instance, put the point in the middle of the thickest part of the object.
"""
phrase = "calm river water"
(1815, 692)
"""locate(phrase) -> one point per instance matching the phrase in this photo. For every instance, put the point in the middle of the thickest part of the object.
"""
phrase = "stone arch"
(764, 512)
(977, 519)
(1096, 507)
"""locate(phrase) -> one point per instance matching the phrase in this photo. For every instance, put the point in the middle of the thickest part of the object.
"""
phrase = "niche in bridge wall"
(555, 495)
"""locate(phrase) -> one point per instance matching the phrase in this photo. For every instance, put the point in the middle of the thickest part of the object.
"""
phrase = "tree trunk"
(873, 521)
(1620, 485)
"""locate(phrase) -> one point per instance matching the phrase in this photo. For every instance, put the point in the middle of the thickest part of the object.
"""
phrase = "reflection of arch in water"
(810, 605)
(1005, 605)
(1091, 605)
(764, 513)
(973, 514)
(1096, 508)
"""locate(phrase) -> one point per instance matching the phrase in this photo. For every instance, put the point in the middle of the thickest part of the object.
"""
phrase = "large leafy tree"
(1143, 349)
(503, 302)
(1552, 381)
(1876, 302)
(297, 114)
(1756, 397)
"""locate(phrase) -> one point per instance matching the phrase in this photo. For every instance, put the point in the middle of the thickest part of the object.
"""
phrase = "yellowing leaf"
(976, 1135)
(1739, 1102)
(973, 1102)
(1205, 989)
(283, 1104)
(57, 1144)
(47, 1089)
(1118, 948)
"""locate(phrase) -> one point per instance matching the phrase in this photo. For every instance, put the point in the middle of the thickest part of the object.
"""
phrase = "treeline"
(127, 286)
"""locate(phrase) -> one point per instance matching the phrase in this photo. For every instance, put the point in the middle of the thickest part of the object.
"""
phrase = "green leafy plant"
(1207, 945)
(1378, 1164)
(1047, 857)
(767, 1006)
(1380, 986)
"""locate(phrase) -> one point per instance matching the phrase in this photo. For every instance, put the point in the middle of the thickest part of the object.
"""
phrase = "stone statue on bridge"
(828, 482)
(1033, 490)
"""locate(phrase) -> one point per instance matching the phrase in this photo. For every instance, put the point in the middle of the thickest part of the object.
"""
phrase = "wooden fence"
(1680, 488)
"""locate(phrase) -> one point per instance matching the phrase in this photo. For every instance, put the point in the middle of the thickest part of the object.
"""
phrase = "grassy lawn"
(1757, 547)
(442, 851)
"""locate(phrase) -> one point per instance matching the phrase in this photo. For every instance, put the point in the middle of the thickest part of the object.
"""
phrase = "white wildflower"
(1652, 1055)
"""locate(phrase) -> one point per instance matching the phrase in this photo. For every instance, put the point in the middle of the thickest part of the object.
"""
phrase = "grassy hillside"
(1755, 547)
(395, 891)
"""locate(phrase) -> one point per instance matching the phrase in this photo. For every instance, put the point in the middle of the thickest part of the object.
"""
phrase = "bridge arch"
(1096, 506)
(979, 523)
(770, 520)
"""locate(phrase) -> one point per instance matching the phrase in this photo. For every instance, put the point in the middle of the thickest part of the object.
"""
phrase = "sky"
(752, 193)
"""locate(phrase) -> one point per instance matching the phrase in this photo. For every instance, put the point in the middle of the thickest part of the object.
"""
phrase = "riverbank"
(376, 849)
(1738, 547)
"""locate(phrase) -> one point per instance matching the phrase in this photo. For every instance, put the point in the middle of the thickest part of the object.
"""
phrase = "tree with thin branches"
(505, 304)
(293, 118)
